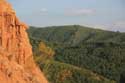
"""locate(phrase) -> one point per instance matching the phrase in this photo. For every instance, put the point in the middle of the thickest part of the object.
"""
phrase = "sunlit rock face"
(13, 37)
(16, 60)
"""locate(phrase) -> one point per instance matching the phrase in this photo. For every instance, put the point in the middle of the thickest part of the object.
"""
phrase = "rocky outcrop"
(16, 60)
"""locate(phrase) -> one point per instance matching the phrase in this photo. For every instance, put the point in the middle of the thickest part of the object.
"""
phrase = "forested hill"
(75, 34)
(100, 51)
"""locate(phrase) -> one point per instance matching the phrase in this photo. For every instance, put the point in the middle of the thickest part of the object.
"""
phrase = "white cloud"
(79, 12)
(106, 27)
(44, 10)
(120, 24)
(39, 12)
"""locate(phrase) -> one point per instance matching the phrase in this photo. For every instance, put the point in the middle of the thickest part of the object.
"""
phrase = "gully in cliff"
(16, 60)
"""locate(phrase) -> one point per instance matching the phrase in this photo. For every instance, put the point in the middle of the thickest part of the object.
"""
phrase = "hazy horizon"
(103, 14)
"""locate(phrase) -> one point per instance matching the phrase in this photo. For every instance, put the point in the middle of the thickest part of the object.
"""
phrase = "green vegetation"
(122, 77)
(58, 72)
(81, 52)
(103, 58)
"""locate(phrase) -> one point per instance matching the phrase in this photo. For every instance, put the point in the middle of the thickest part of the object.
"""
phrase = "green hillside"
(98, 51)
(58, 72)
(75, 34)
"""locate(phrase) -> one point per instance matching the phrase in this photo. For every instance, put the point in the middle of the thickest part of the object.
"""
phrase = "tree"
(122, 77)
(44, 49)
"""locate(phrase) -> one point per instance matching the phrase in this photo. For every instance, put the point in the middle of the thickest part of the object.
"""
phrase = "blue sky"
(104, 14)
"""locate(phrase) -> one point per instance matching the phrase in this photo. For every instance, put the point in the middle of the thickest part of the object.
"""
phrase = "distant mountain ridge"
(75, 34)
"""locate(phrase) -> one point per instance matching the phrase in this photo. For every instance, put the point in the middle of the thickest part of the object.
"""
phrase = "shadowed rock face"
(16, 60)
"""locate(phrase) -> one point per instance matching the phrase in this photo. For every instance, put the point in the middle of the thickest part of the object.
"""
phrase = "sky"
(103, 14)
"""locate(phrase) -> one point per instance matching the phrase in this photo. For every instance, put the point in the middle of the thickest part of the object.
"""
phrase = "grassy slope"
(58, 72)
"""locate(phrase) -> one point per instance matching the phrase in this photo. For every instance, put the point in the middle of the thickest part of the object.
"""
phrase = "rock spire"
(16, 60)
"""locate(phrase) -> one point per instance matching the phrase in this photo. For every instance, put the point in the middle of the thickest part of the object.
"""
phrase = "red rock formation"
(16, 60)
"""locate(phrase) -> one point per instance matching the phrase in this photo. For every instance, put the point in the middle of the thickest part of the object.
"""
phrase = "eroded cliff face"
(16, 60)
